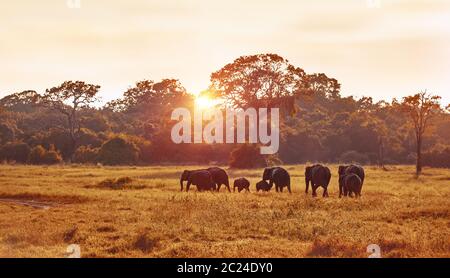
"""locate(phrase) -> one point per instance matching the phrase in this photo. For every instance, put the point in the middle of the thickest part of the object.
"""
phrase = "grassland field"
(150, 217)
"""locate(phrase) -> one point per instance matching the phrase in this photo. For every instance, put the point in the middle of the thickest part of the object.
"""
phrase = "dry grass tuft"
(119, 183)
(144, 243)
(70, 234)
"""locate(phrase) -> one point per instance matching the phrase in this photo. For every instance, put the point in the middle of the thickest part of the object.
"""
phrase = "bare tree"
(420, 108)
(69, 98)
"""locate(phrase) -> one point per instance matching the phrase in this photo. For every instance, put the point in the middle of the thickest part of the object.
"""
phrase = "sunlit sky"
(388, 49)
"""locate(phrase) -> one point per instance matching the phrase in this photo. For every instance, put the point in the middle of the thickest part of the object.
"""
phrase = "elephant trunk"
(181, 184)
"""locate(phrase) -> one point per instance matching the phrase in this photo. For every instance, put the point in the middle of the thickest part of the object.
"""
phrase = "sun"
(204, 102)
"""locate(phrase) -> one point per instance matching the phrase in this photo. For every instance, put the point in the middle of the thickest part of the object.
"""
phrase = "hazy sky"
(390, 48)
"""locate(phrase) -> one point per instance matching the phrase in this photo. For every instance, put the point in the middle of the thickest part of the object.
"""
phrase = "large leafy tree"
(420, 108)
(319, 83)
(68, 99)
(148, 94)
(21, 102)
(268, 80)
(264, 80)
(147, 106)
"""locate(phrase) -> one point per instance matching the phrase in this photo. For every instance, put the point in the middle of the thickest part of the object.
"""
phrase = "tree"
(149, 94)
(319, 83)
(147, 106)
(86, 155)
(21, 102)
(69, 98)
(420, 108)
(264, 80)
(7, 132)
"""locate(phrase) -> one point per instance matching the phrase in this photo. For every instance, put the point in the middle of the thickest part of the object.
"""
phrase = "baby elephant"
(351, 184)
(241, 184)
(263, 185)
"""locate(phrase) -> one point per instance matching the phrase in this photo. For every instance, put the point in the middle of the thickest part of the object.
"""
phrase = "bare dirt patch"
(39, 201)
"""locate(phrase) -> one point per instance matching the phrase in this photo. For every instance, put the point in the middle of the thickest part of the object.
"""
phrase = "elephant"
(219, 177)
(350, 183)
(351, 169)
(318, 175)
(241, 184)
(279, 176)
(263, 185)
(201, 178)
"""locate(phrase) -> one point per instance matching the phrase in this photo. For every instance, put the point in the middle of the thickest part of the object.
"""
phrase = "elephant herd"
(351, 180)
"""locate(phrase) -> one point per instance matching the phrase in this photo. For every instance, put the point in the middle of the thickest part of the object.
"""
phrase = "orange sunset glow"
(382, 49)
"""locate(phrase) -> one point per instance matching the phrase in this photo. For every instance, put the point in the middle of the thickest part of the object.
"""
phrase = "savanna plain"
(140, 212)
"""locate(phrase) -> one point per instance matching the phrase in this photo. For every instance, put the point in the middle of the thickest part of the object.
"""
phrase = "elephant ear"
(185, 175)
(266, 174)
(308, 171)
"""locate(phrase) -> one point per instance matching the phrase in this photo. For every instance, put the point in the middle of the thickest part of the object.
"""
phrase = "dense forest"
(66, 123)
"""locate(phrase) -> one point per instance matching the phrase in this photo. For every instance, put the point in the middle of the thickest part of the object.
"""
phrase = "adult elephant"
(220, 177)
(351, 184)
(278, 176)
(351, 169)
(201, 178)
(318, 175)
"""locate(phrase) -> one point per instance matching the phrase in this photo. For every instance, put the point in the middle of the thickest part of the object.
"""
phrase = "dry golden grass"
(149, 217)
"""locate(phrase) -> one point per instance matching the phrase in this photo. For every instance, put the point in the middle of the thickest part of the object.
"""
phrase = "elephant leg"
(228, 186)
(340, 191)
(325, 192)
(281, 189)
(218, 186)
(316, 186)
(188, 185)
(289, 189)
(307, 187)
(234, 188)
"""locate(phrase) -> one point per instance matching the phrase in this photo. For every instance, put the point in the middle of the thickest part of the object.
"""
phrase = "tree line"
(65, 123)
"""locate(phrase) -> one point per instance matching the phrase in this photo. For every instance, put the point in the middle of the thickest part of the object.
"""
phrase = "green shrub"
(119, 183)
(86, 154)
(118, 151)
(15, 151)
(39, 155)
(52, 156)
